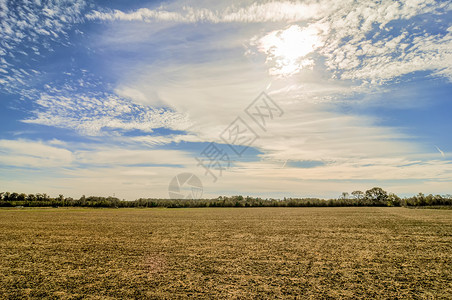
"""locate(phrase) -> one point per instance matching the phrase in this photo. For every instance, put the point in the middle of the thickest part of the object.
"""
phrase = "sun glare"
(287, 49)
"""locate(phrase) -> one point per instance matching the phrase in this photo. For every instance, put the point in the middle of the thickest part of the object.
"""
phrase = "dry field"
(226, 253)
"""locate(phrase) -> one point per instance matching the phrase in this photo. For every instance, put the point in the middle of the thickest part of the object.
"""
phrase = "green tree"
(6, 196)
(31, 197)
(393, 200)
(419, 199)
(377, 195)
(344, 195)
(358, 195)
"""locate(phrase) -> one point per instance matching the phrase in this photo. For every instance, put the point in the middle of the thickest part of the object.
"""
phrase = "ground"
(226, 253)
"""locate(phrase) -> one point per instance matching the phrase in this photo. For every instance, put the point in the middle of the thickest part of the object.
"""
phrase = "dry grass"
(226, 253)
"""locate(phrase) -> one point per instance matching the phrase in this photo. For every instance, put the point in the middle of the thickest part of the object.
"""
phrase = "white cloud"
(210, 100)
(353, 148)
(342, 35)
(287, 49)
(355, 40)
(26, 27)
(24, 153)
(131, 171)
(120, 156)
(398, 175)
(166, 139)
(97, 114)
(130, 93)
(309, 130)
(360, 44)
(254, 13)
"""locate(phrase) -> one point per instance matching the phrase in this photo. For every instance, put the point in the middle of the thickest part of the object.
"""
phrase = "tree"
(31, 197)
(344, 195)
(377, 195)
(13, 196)
(358, 195)
(420, 199)
(6, 196)
(393, 200)
(61, 200)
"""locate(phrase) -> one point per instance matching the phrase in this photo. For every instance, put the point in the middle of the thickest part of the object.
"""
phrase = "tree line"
(373, 197)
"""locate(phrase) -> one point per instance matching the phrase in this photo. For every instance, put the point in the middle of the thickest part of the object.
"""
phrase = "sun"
(287, 49)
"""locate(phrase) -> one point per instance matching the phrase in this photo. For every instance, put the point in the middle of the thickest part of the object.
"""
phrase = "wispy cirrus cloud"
(25, 153)
(278, 11)
(255, 13)
(130, 170)
(96, 114)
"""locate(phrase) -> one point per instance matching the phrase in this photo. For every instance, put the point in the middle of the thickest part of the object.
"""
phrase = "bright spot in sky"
(287, 49)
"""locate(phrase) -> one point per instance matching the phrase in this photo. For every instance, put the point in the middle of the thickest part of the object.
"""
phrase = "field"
(226, 253)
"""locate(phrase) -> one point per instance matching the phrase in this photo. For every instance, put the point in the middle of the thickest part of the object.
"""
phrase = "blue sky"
(118, 97)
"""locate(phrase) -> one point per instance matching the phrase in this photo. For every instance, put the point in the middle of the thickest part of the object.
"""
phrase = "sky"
(271, 99)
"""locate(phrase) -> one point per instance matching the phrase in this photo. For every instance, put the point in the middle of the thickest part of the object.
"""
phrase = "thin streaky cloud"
(254, 13)
(440, 151)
